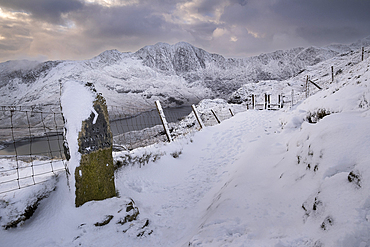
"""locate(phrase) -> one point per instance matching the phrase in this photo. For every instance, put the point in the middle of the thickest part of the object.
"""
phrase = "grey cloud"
(323, 10)
(242, 15)
(14, 30)
(46, 10)
(201, 32)
(326, 35)
(317, 22)
(326, 20)
(208, 7)
(119, 21)
(241, 2)
(255, 26)
(9, 47)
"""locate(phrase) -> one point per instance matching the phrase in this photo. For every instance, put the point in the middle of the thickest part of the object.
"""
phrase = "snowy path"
(175, 194)
(235, 184)
(190, 185)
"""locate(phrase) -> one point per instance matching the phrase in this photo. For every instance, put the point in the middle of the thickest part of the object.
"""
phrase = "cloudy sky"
(81, 29)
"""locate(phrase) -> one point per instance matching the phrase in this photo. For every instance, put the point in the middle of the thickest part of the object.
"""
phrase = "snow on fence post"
(214, 114)
(163, 119)
(197, 117)
(332, 73)
(90, 142)
(269, 101)
(280, 100)
(292, 98)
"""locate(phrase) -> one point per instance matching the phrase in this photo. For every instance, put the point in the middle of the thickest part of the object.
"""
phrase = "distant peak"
(161, 44)
(167, 46)
(108, 52)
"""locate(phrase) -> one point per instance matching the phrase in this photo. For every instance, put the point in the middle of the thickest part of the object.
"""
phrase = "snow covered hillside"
(179, 74)
(292, 177)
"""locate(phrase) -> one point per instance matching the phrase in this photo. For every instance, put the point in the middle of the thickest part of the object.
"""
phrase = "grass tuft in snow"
(314, 117)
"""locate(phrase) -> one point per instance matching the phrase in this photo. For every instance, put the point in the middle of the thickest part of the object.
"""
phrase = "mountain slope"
(174, 74)
(292, 177)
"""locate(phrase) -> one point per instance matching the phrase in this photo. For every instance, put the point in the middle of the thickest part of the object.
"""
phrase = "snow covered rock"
(19, 206)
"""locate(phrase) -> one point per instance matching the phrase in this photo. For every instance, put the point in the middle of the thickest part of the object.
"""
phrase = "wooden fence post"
(231, 112)
(279, 101)
(253, 102)
(214, 114)
(315, 84)
(307, 87)
(269, 101)
(265, 101)
(163, 119)
(197, 117)
(362, 54)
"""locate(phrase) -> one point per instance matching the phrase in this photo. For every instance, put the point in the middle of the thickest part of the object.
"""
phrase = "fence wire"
(132, 130)
(31, 139)
(31, 146)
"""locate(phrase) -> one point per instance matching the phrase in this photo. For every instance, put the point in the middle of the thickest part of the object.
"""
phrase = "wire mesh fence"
(132, 130)
(31, 140)
(31, 146)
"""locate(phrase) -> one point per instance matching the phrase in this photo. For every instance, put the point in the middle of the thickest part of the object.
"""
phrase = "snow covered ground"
(262, 178)
(293, 177)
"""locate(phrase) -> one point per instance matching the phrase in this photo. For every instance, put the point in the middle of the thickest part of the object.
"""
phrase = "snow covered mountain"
(174, 74)
(297, 176)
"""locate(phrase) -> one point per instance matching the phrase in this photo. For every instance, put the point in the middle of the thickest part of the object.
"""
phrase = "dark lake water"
(148, 119)
(52, 145)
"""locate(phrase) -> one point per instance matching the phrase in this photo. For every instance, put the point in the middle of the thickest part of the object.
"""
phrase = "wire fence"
(31, 146)
(31, 139)
(132, 129)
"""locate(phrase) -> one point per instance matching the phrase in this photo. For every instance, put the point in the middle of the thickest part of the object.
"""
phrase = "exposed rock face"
(183, 58)
(225, 75)
(27, 73)
(179, 58)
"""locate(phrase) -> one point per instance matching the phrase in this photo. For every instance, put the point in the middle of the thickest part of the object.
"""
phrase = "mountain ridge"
(158, 72)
